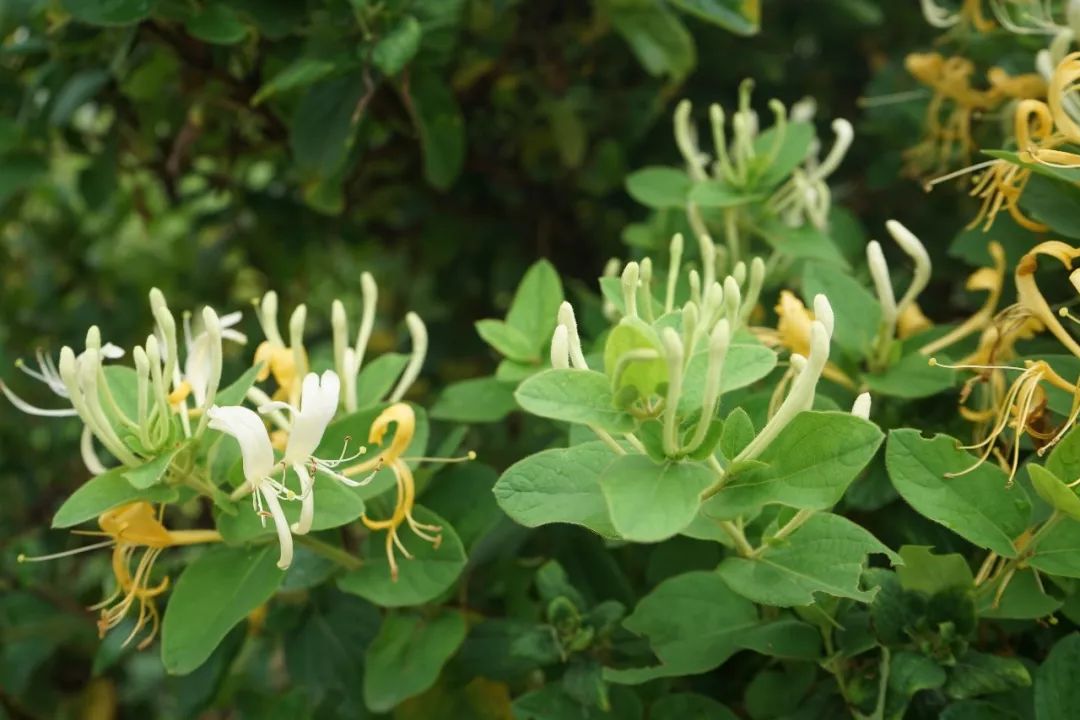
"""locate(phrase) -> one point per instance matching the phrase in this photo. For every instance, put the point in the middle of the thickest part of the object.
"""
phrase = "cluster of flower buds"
(155, 410)
(741, 162)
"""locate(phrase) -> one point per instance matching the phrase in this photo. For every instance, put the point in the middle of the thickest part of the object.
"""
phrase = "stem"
(731, 234)
(796, 521)
(721, 478)
(328, 551)
(608, 440)
(737, 536)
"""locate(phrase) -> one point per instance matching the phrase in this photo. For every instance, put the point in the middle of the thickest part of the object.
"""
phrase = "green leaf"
(650, 502)
(1024, 599)
(235, 392)
(925, 572)
(398, 47)
(978, 674)
(218, 24)
(912, 377)
(104, 492)
(1058, 552)
(857, 311)
(153, 472)
(808, 466)
(552, 703)
(742, 17)
(910, 673)
(215, 592)
(978, 505)
(694, 622)
(659, 187)
(407, 655)
(689, 706)
(79, 89)
(324, 126)
(429, 573)
(806, 242)
(479, 400)
(645, 376)
(657, 36)
(508, 341)
(738, 432)
(534, 310)
(716, 194)
(826, 555)
(1057, 494)
(561, 485)
(576, 396)
(300, 73)
(794, 147)
(1057, 694)
(377, 378)
(746, 363)
(1054, 203)
(438, 119)
(1064, 460)
(109, 12)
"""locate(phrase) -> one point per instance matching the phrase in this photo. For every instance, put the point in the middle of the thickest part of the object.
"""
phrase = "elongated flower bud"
(560, 348)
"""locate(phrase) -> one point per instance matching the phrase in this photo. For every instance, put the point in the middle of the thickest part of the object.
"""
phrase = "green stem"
(721, 478)
(328, 551)
(789, 527)
(731, 234)
(742, 545)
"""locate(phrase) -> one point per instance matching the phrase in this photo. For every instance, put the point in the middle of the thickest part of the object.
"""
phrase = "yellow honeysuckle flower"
(287, 363)
(989, 279)
(1020, 87)
(1022, 408)
(1063, 84)
(1002, 185)
(793, 331)
(130, 528)
(947, 131)
(971, 12)
(1031, 300)
(401, 415)
(912, 321)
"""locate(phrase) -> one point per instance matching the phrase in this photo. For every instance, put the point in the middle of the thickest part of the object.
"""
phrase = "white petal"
(281, 524)
(307, 500)
(111, 352)
(29, 409)
(249, 431)
(318, 403)
(198, 367)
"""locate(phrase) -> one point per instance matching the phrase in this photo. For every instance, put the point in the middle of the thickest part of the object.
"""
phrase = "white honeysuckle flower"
(257, 456)
(307, 424)
(938, 16)
(861, 407)
(48, 374)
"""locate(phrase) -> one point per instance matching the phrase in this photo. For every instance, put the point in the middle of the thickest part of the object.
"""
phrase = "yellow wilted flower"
(131, 528)
(793, 326)
(401, 415)
(1030, 298)
(989, 279)
(948, 116)
(912, 321)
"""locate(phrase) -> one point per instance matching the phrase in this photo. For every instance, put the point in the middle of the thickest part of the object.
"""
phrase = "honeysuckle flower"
(948, 116)
(803, 389)
(403, 418)
(319, 400)
(1031, 300)
(861, 406)
(287, 363)
(988, 279)
(891, 310)
(1022, 408)
(793, 331)
(129, 529)
(912, 321)
(48, 374)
